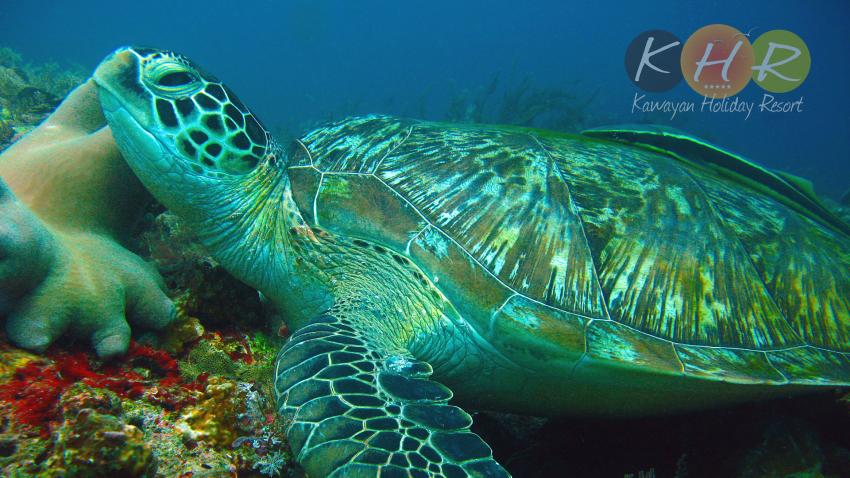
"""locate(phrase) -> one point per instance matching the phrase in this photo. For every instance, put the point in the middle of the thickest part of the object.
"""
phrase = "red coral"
(35, 389)
(245, 355)
(34, 392)
(241, 352)
(156, 359)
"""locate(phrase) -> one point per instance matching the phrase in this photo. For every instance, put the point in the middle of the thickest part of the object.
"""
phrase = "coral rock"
(96, 445)
(214, 418)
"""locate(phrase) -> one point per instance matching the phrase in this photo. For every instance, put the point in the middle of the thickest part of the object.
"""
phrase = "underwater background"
(296, 63)
(549, 64)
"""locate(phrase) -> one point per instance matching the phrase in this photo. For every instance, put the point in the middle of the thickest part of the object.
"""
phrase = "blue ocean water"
(299, 62)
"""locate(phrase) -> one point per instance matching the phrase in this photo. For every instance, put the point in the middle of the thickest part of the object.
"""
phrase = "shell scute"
(355, 145)
(669, 266)
(803, 264)
(614, 342)
(811, 366)
(356, 205)
(728, 365)
(537, 336)
(499, 196)
(464, 282)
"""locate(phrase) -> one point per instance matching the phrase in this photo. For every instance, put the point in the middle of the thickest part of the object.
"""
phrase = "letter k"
(648, 53)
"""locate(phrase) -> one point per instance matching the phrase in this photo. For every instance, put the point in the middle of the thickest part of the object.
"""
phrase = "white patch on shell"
(435, 242)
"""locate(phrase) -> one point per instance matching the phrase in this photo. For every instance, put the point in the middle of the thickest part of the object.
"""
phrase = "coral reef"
(272, 464)
(189, 424)
(70, 407)
(183, 331)
(196, 399)
(214, 417)
(29, 91)
(201, 400)
(70, 201)
(11, 82)
(11, 359)
(35, 389)
(7, 130)
(9, 57)
(71, 413)
(247, 358)
(93, 441)
(209, 412)
(55, 79)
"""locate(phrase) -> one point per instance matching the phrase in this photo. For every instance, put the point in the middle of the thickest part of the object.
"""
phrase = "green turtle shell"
(793, 191)
(567, 248)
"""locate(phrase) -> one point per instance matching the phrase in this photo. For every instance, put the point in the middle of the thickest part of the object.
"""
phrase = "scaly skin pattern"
(67, 200)
(527, 270)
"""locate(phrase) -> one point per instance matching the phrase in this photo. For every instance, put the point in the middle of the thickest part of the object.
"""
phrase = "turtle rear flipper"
(360, 409)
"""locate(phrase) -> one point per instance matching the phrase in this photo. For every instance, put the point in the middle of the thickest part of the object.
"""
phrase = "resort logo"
(718, 61)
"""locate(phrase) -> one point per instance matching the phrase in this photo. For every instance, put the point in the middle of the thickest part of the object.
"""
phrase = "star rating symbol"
(716, 87)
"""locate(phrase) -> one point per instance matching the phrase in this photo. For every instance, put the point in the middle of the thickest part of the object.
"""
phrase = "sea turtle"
(519, 269)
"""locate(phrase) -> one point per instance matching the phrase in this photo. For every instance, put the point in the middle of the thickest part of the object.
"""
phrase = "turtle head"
(174, 122)
(197, 148)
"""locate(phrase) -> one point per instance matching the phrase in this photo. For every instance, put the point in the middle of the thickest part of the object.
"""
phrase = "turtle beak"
(117, 61)
(118, 78)
(128, 108)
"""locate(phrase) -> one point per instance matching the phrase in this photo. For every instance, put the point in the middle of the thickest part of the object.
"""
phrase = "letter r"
(767, 67)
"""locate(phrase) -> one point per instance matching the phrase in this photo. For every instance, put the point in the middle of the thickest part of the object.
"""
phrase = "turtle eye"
(177, 78)
(171, 79)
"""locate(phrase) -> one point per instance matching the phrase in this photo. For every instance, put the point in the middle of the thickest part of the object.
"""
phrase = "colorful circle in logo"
(782, 61)
(652, 61)
(717, 61)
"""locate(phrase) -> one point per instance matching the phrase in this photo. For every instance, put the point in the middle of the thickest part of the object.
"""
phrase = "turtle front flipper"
(362, 409)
